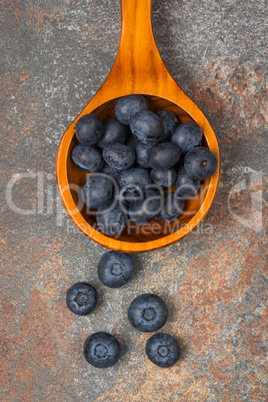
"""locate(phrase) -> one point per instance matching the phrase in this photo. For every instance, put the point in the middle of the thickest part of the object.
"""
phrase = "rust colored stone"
(55, 56)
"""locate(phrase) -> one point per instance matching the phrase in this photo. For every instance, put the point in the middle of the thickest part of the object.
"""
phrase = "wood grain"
(138, 69)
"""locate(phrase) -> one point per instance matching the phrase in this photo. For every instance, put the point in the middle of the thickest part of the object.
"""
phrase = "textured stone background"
(55, 55)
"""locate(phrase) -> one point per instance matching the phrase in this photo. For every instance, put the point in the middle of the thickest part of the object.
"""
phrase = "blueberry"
(171, 207)
(163, 350)
(89, 129)
(133, 182)
(147, 127)
(187, 135)
(135, 177)
(128, 194)
(164, 155)
(119, 156)
(81, 298)
(97, 189)
(102, 350)
(129, 105)
(87, 158)
(132, 142)
(147, 313)
(142, 154)
(110, 172)
(165, 177)
(200, 163)
(113, 131)
(185, 186)
(170, 121)
(145, 209)
(111, 220)
(115, 269)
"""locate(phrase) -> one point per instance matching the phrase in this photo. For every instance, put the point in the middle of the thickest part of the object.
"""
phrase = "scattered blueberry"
(113, 131)
(163, 350)
(142, 154)
(200, 163)
(102, 350)
(147, 127)
(143, 211)
(97, 189)
(115, 269)
(165, 177)
(89, 129)
(185, 186)
(81, 298)
(173, 153)
(111, 220)
(164, 155)
(87, 158)
(129, 105)
(147, 313)
(119, 156)
(170, 121)
(171, 207)
(187, 135)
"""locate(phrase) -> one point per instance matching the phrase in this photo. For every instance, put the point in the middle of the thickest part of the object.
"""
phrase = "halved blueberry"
(147, 313)
(102, 350)
(81, 298)
(163, 350)
(200, 163)
(115, 269)
(89, 129)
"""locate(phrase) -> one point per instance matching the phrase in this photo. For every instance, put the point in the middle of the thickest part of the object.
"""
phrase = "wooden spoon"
(138, 69)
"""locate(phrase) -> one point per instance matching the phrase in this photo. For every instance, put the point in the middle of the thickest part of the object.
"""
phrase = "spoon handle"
(138, 56)
(137, 41)
(138, 67)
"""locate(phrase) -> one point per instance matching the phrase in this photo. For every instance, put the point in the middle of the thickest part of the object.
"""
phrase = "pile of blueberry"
(146, 313)
(135, 159)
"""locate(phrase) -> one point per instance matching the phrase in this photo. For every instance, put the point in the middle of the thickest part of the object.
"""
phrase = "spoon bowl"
(138, 69)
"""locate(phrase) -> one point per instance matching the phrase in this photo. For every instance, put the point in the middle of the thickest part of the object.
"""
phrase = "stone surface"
(55, 55)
